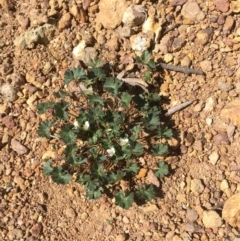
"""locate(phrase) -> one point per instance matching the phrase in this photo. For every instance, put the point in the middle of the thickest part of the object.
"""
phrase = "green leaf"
(60, 110)
(154, 97)
(159, 149)
(125, 99)
(96, 73)
(74, 73)
(68, 76)
(97, 172)
(145, 193)
(95, 138)
(124, 200)
(138, 149)
(96, 63)
(151, 120)
(147, 76)
(93, 191)
(47, 168)
(43, 107)
(83, 179)
(71, 155)
(79, 74)
(115, 177)
(60, 94)
(134, 148)
(96, 99)
(165, 132)
(132, 168)
(67, 134)
(162, 170)
(112, 85)
(151, 64)
(135, 132)
(60, 176)
(95, 114)
(44, 129)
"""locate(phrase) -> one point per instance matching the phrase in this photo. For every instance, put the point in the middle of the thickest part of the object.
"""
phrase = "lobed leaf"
(125, 99)
(145, 193)
(124, 200)
(44, 129)
(60, 110)
(162, 170)
(159, 149)
(112, 85)
(67, 134)
(43, 107)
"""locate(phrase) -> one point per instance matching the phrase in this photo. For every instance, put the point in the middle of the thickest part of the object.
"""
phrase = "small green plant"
(116, 125)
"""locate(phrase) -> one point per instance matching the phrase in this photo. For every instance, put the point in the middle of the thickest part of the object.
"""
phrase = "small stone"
(231, 210)
(221, 139)
(206, 65)
(231, 111)
(213, 158)
(191, 215)
(186, 61)
(225, 86)
(125, 219)
(65, 21)
(222, 5)
(211, 219)
(70, 213)
(18, 147)
(141, 41)
(209, 121)
(165, 44)
(192, 11)
(235, 6)
(113, 44)
(210, 104)
(36, 229)
(20, 182)
(230, 130)
(8, 92)
(111, 12)
(196, 186)
(224, 185)
(177, 44)
(204, 36)
(229, 22)
(134, 15)
(168, 58)
(8, 121)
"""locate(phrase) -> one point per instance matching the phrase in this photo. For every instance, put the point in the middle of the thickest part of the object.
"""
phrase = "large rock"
(231, 210)
(111, 13)
(231, 111)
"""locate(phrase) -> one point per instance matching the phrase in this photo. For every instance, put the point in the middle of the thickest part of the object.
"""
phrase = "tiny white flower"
(123, 141)
(86, 125)
(111, 151)
(76, 125)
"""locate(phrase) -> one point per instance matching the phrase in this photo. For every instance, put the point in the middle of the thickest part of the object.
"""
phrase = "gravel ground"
(199, 199)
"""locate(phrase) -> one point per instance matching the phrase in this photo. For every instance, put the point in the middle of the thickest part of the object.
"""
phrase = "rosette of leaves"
(114, 136)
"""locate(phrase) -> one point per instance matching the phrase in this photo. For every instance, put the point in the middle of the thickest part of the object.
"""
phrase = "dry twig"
(178, 107)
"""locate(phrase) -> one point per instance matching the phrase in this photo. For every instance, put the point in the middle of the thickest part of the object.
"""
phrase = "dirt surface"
(37, 41)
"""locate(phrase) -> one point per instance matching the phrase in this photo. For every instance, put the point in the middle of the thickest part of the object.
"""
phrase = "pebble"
(225, 86)
(192, 11)
(204, 36)
(18, 147)
(120, 237)
(65, 21)
(224, 185)
(191, 215)
(177, 44)
(230, 130)
(196, 186)
(229, 22)
(222, 5)
(206, 65)
(70, 213)
(213, 158)
(110, 13)
(211, 103)
(134, 15)
(211, 219)
(209, 121)
(221, 139)
(125, 219)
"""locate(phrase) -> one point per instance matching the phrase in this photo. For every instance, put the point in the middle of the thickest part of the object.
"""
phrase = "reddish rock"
(222, 5)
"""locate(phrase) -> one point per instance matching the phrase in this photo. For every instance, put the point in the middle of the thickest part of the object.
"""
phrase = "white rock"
(213, 158)
(224, 185)
(79, 50)
(210, 104)
(209, 121)
(192, 11)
